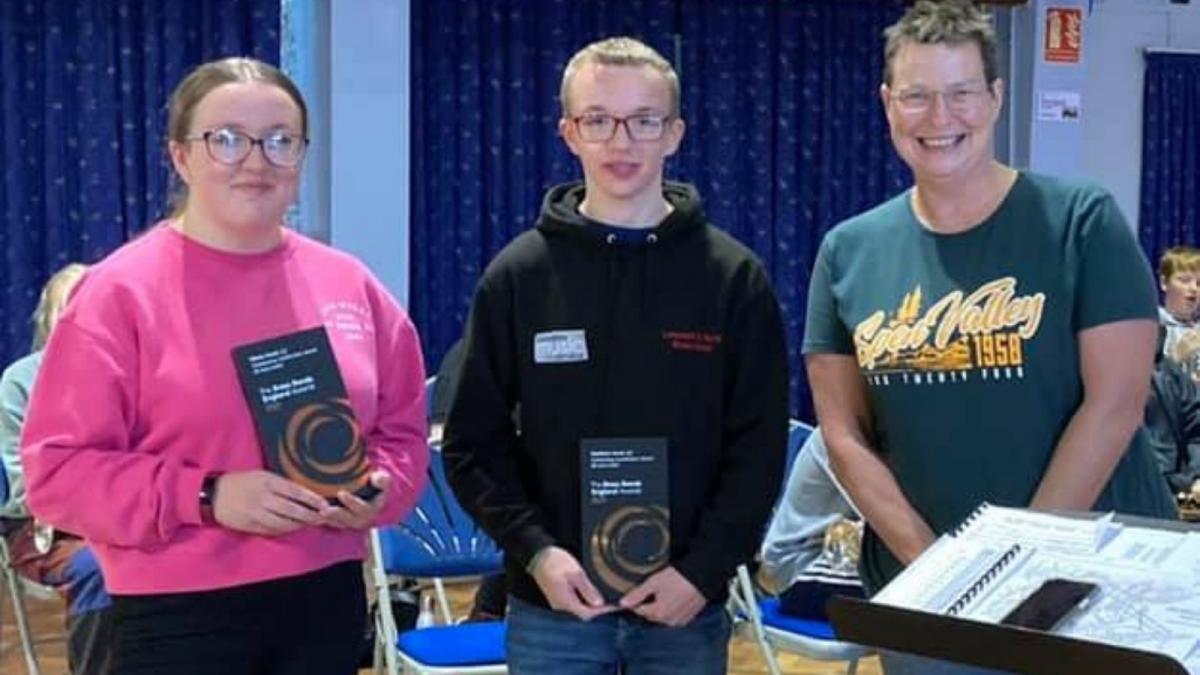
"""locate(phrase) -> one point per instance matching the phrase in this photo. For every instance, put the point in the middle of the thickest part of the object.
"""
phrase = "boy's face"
(1181, 294)
(621, 168)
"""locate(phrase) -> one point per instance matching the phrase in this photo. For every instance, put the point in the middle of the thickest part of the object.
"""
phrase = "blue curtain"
(786, 136)
(83, 91)
(785, 131)
(1170, 201)
(485, 146)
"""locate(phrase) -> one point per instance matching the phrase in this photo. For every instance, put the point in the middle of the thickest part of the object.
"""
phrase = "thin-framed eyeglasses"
(959, 98)
(602, 127)
(281, 148)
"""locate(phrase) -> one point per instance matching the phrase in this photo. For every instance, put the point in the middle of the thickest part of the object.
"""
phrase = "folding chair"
(437, 541)
(430, 390)
(770, 628)
(19, 586)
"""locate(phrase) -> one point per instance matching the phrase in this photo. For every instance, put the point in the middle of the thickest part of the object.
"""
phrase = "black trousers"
(307, 625)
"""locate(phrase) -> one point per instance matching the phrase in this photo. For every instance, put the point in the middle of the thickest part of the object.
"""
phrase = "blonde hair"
(620, 51)
(52, 301)
(949, 22)
(200, 83)
(1178, 259)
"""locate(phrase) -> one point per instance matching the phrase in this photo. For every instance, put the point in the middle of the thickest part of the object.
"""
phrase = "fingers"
(285, 508)
(267, 523)
(296, 492)
(586, 590)
(639, 595)
(355, 513)
(669, 615)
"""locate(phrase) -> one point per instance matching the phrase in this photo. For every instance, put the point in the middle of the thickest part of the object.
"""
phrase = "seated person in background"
(1173, 423)
(491, 598)
(1179, 280)
(810, 552)
(50, 558)
(447, 384)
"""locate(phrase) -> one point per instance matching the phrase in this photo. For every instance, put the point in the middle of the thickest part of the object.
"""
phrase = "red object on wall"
(1064, 35)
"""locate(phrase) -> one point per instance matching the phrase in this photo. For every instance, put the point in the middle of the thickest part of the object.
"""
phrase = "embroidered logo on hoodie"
(692, 341)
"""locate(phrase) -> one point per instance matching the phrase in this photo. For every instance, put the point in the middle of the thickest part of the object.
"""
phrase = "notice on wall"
(1064, 35)
(1058, 106)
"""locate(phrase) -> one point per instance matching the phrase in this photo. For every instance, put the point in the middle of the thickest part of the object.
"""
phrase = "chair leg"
(443, 602)
(22, 618)
(852, 667)
(743, 591)
(378, 658)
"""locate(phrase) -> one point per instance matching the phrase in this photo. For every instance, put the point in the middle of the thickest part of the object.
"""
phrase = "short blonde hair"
(53, 300)
(943, 22)
(1178, 259)
(620, 51)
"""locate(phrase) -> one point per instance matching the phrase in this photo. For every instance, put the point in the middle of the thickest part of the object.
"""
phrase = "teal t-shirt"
(967, 343)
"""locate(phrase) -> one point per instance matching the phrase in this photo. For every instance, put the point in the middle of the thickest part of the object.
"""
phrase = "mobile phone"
(1052, 602)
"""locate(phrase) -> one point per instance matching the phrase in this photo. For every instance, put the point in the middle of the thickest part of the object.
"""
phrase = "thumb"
(637, 596)
(587, 591)
(381, 480)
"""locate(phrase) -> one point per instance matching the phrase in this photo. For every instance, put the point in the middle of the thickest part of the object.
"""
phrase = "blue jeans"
(898, 663)
(544, 641)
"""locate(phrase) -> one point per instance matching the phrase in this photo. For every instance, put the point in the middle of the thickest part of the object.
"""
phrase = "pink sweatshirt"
(138, 399)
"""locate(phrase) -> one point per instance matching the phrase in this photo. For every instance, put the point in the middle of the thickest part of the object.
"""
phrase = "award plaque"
(305, 424)
(626, 521)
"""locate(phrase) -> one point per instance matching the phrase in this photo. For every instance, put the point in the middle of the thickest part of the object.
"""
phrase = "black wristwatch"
(208, 497)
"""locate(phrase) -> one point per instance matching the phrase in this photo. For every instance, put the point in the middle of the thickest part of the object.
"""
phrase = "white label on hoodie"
(560, 346)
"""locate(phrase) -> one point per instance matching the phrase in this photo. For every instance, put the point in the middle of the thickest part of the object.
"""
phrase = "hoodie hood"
(560, 213)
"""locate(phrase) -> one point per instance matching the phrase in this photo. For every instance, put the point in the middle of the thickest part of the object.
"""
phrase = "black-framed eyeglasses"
(232, 146)
(601, 127)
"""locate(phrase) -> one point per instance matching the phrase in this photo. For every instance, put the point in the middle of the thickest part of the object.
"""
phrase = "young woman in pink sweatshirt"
(139, 437)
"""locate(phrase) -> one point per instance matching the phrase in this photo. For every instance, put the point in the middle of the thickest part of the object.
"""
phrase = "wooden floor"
(744, 659)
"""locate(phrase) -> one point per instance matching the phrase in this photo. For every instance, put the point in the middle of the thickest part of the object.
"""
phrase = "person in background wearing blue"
(52, 558)
(987, 335)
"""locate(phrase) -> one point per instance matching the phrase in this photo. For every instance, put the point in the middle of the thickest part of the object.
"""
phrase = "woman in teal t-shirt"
(986, 336)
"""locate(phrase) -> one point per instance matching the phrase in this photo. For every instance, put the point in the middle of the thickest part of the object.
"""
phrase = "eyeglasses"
(959, 99)
(599, 127)
(231, 147)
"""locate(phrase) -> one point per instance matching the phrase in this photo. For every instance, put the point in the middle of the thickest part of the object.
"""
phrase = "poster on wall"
(1058, 106)
(1064, 35)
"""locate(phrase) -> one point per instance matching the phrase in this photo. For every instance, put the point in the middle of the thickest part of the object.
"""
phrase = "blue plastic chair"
(770, 628)
(438, 540)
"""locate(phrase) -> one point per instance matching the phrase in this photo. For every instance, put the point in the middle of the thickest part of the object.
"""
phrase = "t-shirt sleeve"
(1115, 282)
(824, 332)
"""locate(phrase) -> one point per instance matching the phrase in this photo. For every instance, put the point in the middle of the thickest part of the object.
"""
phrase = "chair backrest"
(438, 539)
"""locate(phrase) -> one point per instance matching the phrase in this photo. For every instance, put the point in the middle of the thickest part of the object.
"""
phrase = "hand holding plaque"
(626, 522)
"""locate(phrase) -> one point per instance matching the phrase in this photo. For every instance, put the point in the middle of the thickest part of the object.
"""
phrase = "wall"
(351, 60)
(357, 182)
(1105, 146)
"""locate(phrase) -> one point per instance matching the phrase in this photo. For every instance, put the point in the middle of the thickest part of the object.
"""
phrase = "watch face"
(43, 537)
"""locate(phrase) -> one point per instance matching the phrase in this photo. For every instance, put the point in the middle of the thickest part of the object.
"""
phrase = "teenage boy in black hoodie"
(623, 314)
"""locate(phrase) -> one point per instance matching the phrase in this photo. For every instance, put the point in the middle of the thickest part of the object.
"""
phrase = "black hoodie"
(683, 341)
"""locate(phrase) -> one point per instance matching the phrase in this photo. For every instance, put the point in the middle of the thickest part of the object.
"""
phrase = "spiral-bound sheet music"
(1148, 579)
(951, 576)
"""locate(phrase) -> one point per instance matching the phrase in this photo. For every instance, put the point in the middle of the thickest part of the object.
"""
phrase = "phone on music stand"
(1050, 604)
